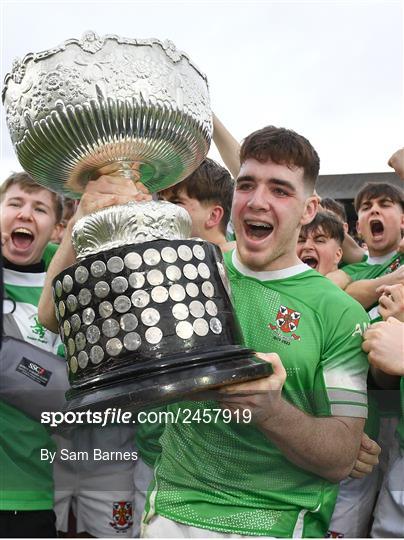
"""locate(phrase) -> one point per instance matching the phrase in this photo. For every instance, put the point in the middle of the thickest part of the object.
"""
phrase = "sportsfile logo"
(34, 371)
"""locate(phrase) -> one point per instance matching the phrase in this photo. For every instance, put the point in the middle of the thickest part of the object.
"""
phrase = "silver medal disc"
(132, 341)
(151, 257)
(98, 269)
(153, 335)
(192, 290)
(62, 308)
(155, 277)
(196, 309)
(173, 273)
(101, 289)
(93, 334)
(140, 299)
(203, 270)
(128, 322)
(184, 330)
(211, 308)
(66, 328)
(159, 294)
(190, 271)
(150, 317)
(88, 315)
(67, 283)
(71, 303)
(122, 304)
(215, 325)
(85, 297)
(73, 364)
(208, 289)
(80, 341)
(113, 346)
(119, 284)
(115, 265)
(136, 280)
(201, 327)
(199, 252)
(177, 293)
(82, 358)
(96, 354)
(76, 322)
(58, 289)
(105, 309)
(133, 261)
(81, 274)
(110, 327)
(184, 253)
(169, 255)
(180, 311)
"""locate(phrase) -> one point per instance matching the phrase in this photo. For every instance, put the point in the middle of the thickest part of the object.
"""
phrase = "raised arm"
(229, 148)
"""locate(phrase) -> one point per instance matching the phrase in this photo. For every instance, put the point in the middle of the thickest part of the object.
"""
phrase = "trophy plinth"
(145, 315)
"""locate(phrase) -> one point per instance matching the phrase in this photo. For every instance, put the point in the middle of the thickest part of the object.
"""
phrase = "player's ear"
(310, 210)
(215, 217)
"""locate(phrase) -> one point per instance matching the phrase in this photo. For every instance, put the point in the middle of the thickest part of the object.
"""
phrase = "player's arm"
(340, 278)
(351, 252)
(396, 161)
(326, 446)
(229, 148)
(106, 191)
(368, 291)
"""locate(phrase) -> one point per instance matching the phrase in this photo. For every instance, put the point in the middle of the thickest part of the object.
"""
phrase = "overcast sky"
(332, 70)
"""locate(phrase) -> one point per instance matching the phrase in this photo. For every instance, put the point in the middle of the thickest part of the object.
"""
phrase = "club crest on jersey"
(287, 321)
(122, 516)
(395, 265)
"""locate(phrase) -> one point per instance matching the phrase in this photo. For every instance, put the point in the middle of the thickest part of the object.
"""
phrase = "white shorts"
(161, 527)
(353, 509)
(101, 493)
(142, 478)
(389, 512)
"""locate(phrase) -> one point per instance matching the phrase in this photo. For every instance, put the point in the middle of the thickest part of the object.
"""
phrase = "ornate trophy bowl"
(145, 315)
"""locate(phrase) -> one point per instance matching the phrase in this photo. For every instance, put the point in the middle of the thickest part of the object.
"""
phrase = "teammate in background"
(274, 477)
(384, 343)
(207, 196)
(30, 215)
(320, 246)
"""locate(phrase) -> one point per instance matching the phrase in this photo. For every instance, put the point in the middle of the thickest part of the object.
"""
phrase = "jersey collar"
(269, 275)
(382, 259)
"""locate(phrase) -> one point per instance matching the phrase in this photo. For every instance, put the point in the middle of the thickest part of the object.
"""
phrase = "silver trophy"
(145, 314)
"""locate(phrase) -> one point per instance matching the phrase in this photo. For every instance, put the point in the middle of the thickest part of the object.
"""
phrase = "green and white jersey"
(229, 477)
(383, 402)
(371, 268)
(26, 482)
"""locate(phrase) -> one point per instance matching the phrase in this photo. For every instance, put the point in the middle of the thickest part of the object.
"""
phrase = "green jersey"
(25, 480)
(387, 401)
(229, 477)
(371, 268)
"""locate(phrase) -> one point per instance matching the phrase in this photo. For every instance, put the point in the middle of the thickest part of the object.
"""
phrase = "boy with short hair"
(30, 215)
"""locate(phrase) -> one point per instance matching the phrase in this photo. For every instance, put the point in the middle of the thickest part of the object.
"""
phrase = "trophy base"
(204, 374)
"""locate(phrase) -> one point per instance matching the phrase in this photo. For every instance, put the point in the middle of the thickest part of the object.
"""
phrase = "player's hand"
(384, 343)
(397, 162)
(108, 191)
(391, 301)
(368, 457)
(262, 397)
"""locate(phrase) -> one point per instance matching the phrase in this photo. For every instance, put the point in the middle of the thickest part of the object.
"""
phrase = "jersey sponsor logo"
(122, 516)
(37, 328)
(360, 328)
(287, 321)
(334, 534)
(34, 371)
